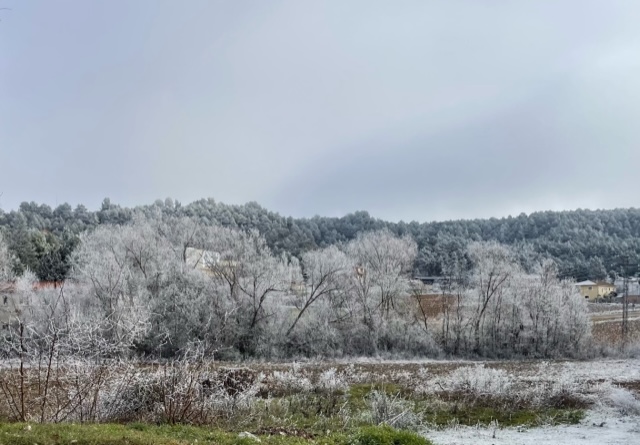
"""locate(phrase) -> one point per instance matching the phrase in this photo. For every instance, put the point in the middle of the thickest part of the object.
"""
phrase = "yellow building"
(592, 291)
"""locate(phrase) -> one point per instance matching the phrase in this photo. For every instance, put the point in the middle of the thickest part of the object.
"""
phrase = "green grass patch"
(143, 434)
(384, 435)
(485, 415)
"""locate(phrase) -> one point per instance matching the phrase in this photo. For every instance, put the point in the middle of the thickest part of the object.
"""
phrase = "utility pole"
(625, 303)
(625, 299)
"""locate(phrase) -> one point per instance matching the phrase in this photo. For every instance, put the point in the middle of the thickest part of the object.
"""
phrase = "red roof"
(47, 285)
(38, 285)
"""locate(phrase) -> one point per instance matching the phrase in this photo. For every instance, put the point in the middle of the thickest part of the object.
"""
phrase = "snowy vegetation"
(135, 289)
(137, 331)
(152, 304)
(309, 399)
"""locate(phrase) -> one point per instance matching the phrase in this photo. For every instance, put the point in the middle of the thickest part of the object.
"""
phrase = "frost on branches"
(155, 286)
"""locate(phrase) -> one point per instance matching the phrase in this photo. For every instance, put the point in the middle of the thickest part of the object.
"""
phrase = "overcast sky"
(414, 110)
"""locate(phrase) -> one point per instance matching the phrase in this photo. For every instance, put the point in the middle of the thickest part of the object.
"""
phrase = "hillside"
(584, 243)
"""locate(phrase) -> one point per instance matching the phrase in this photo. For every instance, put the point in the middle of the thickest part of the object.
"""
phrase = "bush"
(478, 380)
(391, 410)
(623, 401)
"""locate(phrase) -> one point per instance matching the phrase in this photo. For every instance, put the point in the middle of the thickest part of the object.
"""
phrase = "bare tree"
(383, 264)
(324, 276)
(493, 268)
(252, 275)
(6, 273)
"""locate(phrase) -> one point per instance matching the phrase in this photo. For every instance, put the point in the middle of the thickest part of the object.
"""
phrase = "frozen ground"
(611, 388)
(616, 430)
(615, 419)
(615, 370)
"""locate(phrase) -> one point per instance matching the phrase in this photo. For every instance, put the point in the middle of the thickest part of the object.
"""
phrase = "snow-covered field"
(402, 393)
(616, 430)
(613, 419)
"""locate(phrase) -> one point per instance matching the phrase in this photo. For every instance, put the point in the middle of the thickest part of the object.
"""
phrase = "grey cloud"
(412, 109)
(524, 159)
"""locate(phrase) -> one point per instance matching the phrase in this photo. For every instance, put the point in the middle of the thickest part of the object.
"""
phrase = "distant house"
(437, 283)
(593, 291)
(298, 287)
(208, 261)
(200, 259)
(41, 285)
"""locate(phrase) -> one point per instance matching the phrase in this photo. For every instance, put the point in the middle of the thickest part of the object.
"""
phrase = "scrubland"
(321, 402)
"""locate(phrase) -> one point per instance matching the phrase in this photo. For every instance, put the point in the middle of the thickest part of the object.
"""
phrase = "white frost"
(616, 430)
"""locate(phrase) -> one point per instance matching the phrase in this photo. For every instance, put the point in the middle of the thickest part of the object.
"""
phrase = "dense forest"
(584, 243)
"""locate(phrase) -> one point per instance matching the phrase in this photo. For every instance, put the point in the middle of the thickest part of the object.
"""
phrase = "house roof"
(604, 283)
(201, 259)
(586, 283)
(9, 287)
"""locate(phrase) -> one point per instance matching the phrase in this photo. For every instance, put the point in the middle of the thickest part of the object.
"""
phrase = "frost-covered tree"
(379, 290)
(6, 271)
(136, 288)
(138, 276)
(114, 263)
(383, 263)
(493, 268)
(250, 276)
(503, 311)
(324, 273)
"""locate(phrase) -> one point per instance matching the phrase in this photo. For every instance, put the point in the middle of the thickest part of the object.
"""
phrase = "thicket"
(157, 286)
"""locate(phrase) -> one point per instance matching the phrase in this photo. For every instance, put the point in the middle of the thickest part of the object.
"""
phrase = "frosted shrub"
(477, 380)
(173, 393)
(331, 381)
(623, 401)
(220, 403)
(390, 410)
(290, 381)
(404, 377)
(422, 385)
(561, 390)
(131, 394)
(354, 375)
(53, 393)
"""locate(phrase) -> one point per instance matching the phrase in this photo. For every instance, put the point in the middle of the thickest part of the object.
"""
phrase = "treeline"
(583, 243)
(162, 285)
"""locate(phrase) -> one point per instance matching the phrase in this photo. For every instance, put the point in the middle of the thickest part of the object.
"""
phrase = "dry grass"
(315, 396)
(434, 305)
(609, 334)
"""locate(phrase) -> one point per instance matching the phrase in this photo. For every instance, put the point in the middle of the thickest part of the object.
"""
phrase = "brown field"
(609, 333)
(434, 305)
